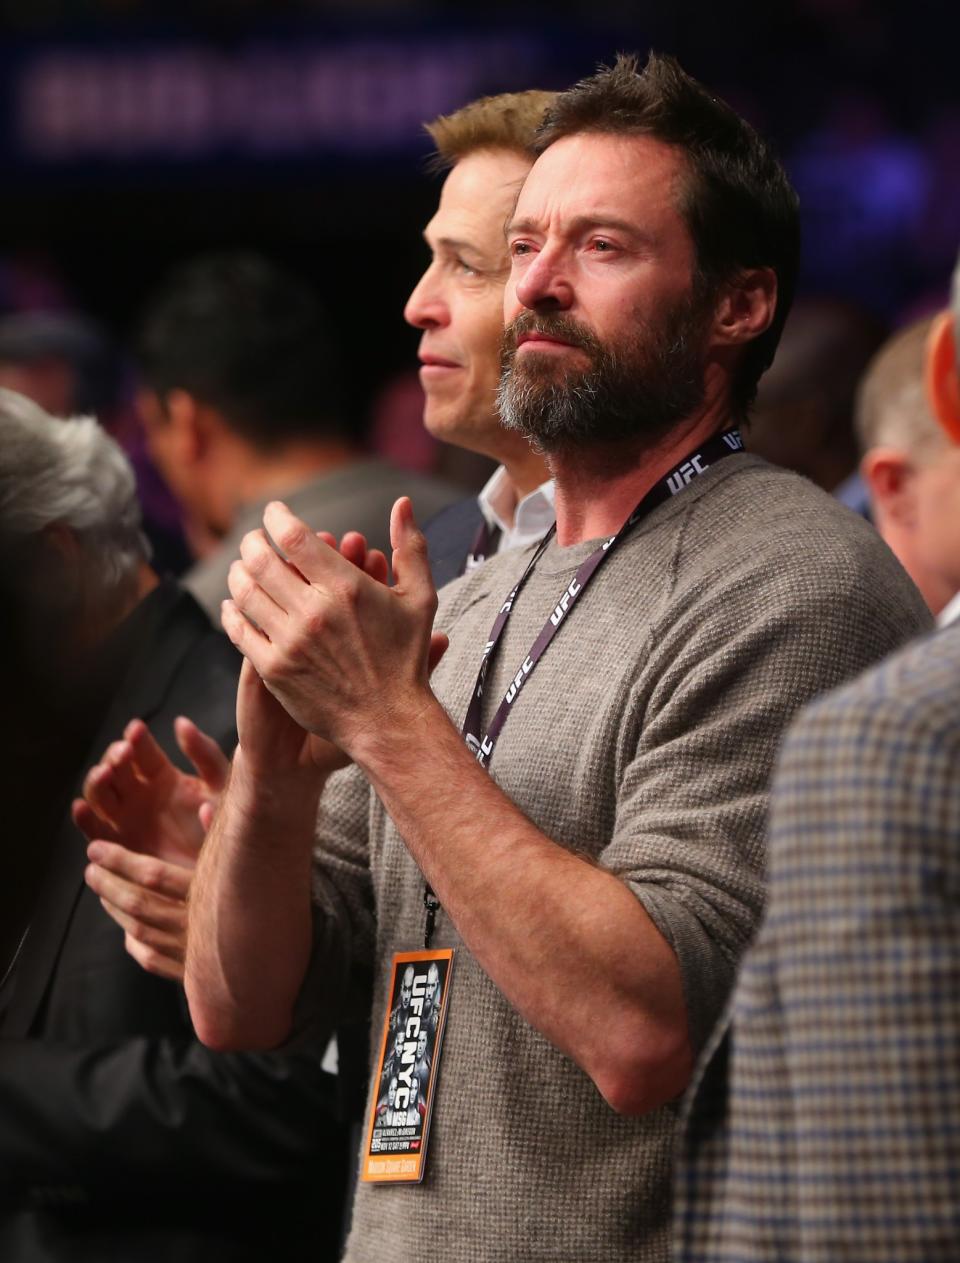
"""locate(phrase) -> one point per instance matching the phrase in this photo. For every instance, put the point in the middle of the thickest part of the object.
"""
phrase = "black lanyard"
(716, 448)
(484, 544)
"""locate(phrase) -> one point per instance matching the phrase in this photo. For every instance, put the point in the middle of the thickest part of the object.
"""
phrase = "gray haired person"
(97, 1057)
(73, 565)
(68, 495)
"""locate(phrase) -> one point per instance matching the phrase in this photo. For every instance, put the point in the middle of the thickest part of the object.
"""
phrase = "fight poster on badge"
(406, 1074)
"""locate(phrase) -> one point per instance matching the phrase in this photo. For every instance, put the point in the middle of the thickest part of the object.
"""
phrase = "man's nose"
(426, 307)
(545, 284)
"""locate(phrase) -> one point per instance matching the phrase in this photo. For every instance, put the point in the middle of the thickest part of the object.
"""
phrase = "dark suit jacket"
(121, 1135)
(449, 535)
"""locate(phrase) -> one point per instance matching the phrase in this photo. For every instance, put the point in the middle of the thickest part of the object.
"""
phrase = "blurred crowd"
(666, 965)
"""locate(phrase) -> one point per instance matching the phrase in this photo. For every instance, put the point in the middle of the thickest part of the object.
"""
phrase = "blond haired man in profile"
(486, 148)
(911, 466)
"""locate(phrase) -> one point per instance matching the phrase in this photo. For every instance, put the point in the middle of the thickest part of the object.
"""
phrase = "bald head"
(892, 407)
(910, 464)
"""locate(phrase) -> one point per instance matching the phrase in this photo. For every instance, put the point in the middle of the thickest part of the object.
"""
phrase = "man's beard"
(637, 388)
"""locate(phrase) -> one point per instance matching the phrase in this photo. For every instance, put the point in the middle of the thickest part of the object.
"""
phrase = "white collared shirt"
(532, 517)
(950, 612)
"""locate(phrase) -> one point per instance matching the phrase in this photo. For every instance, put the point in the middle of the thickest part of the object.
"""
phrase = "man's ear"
(187, 430)
(171, 424)
(943, 375)
(746, 308)
(62, 557)
(888, 473)
(63, 541)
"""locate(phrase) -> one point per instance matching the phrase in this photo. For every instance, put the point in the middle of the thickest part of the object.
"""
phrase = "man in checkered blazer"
(824, 1123)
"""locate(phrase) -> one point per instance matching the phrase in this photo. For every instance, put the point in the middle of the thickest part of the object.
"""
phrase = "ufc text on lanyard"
(726, 444)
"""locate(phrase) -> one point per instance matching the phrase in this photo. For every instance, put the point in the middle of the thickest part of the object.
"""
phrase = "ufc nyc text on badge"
(406, 1075)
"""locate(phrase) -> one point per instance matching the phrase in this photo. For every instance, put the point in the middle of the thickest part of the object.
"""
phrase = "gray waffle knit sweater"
(645, 738)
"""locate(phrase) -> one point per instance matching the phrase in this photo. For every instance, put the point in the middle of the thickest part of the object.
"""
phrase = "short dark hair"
(737, 202)
(246, 337)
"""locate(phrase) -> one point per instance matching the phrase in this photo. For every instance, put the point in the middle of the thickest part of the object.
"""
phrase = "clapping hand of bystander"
(145, 819)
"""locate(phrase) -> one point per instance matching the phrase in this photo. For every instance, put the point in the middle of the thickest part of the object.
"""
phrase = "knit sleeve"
(737, 657)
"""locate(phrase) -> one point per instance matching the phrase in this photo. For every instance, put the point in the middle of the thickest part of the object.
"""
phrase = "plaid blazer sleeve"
(841, 1138)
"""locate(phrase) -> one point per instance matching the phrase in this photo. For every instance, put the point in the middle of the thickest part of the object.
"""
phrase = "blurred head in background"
(73, 557)
(911, 466)
(803, 415)
(240, 388)
(62, 361)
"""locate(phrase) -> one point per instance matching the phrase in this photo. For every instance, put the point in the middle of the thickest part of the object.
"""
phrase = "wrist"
(268, 795)
(402, 733)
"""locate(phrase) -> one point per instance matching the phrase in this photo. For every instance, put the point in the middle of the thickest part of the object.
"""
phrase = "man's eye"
(519, 248)
(465, 268)
(602, 247)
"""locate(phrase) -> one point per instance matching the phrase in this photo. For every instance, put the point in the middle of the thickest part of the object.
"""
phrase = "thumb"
(411, 566)
(203, 752)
